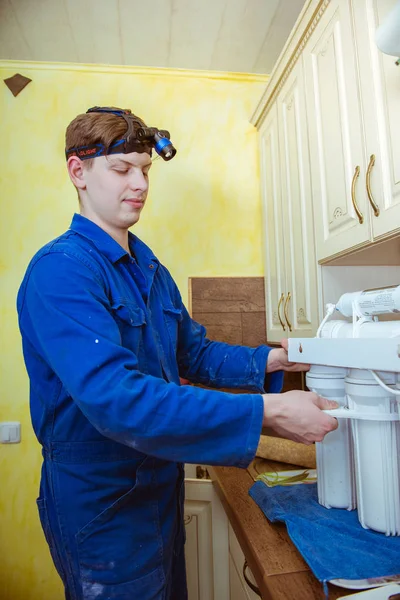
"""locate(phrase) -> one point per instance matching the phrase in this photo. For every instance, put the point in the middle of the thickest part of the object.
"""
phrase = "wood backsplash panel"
(222, 327)
(227, 294)
(232, 309)
(254, 330)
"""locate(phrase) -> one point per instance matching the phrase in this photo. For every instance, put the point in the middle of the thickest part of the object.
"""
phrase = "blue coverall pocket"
(172, 317)
(44, 520)
(130, 320)
(120, 550)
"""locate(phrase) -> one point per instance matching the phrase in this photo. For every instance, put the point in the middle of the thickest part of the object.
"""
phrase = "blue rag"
(331, 541)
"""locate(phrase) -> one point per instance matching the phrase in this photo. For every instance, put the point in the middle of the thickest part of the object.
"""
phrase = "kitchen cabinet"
(290, 263)
(380, 95)
(301, 305)
(214, 559)
(335, 124)
(353, 108)
(348, 111)
(207, 542)
(275, 275)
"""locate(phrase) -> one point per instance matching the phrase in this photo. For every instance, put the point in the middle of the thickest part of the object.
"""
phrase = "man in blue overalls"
(106, 340)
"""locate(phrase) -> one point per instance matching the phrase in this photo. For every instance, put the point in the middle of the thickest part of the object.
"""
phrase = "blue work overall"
(106, 338)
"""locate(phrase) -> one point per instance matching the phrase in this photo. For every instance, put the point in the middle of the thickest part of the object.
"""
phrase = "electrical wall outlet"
(10, 432)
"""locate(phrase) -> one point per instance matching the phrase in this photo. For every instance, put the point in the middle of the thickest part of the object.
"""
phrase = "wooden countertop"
(277, 566)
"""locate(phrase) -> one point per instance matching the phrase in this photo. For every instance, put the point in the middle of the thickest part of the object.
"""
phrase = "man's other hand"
(278, 360)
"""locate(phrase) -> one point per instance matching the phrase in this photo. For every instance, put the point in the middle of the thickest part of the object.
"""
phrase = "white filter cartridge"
(335, 464)
(376, 452)
(370, 302)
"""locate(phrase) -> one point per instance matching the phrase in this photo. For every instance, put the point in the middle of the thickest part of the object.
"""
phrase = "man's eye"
(122, 171)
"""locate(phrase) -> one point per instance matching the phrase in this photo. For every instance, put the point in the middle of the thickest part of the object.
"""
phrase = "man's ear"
(76, 173)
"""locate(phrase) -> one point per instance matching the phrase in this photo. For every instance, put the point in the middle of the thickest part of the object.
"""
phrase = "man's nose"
(138, 181)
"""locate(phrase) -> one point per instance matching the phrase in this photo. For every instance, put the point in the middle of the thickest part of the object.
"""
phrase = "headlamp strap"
(129, 142)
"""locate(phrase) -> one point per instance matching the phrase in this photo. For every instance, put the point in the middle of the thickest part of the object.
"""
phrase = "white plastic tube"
(367, 329)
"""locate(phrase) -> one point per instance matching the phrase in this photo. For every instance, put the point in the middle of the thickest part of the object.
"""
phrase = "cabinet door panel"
(239, 589)
(336, 133)
(380, 86)
(207, 545)
(300, 307)
(274, 263)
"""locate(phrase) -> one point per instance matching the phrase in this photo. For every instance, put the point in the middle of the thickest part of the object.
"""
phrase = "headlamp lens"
(165, 149)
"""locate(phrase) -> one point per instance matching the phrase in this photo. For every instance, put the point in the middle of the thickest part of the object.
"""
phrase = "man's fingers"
(324, 403)
(285, 344)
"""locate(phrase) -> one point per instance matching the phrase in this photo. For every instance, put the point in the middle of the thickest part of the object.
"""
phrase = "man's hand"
(298, 416)
(278, 360)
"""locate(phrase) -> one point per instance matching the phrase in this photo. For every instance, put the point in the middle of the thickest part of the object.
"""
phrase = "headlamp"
(139, 139)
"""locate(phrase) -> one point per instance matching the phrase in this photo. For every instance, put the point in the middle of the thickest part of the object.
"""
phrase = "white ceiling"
(221, 35)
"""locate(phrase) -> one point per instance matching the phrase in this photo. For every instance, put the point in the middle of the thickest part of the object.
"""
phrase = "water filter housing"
(357, 363)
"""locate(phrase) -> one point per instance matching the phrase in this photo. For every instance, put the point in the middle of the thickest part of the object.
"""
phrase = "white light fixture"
(387, 36)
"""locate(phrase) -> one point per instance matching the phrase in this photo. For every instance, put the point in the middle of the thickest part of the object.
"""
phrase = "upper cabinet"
(339, 149)
(380, 93)
(274, 259)
(335, 122)
(300, 308)
(291, 288)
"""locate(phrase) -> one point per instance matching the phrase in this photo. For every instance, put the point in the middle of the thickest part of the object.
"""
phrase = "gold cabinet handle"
(285, 311)
(353, 195)
(372, 202)
(279, 312)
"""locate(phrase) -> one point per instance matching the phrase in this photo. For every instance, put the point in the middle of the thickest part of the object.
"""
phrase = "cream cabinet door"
(380, 87)
(335, 125)
(239, 589)
(207, 542)
(301, 301)
(274, 263)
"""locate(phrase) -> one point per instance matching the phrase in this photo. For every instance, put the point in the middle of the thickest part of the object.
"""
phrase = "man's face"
(116, 188)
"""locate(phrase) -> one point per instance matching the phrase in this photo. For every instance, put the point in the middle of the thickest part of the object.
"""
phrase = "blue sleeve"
(65, 310)
(221, 365)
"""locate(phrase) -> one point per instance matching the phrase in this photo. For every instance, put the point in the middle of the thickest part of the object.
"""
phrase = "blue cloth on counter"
(331, 541)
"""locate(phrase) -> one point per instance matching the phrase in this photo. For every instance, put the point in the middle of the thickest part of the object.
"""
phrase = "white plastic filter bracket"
(346, 413)
(351, 353)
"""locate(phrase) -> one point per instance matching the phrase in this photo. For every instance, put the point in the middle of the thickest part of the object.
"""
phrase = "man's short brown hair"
(96, 128)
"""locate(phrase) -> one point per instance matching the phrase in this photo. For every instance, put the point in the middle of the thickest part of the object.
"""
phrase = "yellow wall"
(202, 219)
